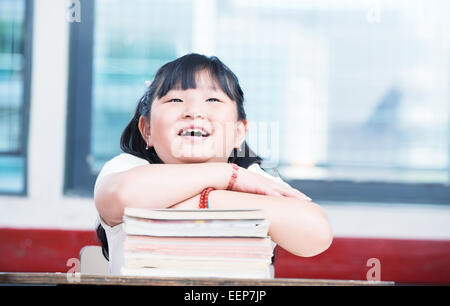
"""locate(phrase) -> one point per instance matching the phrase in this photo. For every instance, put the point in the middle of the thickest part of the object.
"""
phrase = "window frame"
(25, 105)
(80, 181)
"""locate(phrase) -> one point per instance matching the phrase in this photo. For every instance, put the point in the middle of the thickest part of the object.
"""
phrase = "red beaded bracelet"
(233, 176)
(204, 197)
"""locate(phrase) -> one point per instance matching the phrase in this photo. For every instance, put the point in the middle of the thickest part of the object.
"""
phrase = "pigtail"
(101, 236)
(131, 140)
(246, 158)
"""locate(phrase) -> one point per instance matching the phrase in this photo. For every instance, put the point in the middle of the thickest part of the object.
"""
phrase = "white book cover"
(195, 214)
(229, 228)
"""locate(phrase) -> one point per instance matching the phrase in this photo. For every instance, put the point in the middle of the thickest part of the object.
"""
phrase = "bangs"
(181, 74)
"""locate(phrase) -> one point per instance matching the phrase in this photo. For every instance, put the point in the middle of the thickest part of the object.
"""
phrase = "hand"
(250, 182)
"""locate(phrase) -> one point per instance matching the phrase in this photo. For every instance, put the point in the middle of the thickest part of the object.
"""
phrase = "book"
(197, 228)
(195, 223)
(197, 246)
(194, 214)
(197, 243)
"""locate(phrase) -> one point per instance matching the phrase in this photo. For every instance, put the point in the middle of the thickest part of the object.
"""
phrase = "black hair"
(101, 236)
(173, 75)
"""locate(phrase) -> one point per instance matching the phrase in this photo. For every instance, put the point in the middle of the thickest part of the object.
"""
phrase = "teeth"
(190, 131)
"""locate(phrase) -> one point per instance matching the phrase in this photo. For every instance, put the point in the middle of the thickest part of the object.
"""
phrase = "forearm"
(160, 185)
(300, 227)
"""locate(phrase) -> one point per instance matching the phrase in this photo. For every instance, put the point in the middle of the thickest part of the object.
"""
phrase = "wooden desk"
(61, 279)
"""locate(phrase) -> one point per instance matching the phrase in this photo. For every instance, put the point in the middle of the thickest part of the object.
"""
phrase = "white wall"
(47, 207)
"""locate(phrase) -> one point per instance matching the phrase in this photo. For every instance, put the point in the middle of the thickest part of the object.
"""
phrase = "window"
(358, 91)
(15, 66)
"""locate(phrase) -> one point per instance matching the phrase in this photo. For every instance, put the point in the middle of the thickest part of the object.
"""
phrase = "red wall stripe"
(41, 250)
(402, 260)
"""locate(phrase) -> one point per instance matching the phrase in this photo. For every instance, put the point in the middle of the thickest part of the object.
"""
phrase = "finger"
(292, 192)
(274, 193)
(303, 195)
(298, 195)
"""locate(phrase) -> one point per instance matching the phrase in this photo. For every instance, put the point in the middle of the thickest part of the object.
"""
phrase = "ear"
(241, 132)
(144, 128)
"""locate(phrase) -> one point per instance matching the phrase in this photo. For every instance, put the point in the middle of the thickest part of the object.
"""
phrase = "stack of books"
(196, 243)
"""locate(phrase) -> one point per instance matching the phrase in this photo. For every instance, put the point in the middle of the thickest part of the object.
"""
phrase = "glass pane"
(342, 90)
(131, 41)
(11, 174)
(12, 14)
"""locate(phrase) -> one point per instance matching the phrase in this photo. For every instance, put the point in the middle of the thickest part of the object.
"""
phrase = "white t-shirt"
(115, 235)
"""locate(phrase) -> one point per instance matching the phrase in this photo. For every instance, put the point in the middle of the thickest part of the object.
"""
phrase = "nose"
(193, 110)
(193, 115)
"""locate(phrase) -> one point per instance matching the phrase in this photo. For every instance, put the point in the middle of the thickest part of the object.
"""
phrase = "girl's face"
(206, 108)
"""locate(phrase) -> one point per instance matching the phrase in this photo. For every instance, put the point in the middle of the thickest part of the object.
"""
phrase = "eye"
(213, 100)
(175, 100)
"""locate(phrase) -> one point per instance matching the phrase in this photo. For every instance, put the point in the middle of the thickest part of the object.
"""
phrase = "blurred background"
(358, 92)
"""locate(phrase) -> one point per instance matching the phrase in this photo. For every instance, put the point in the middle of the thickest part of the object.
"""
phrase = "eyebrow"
(209, 88)
(212, 88)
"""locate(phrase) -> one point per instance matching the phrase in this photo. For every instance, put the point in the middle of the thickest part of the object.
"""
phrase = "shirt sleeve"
(257, 169)
(122, 162)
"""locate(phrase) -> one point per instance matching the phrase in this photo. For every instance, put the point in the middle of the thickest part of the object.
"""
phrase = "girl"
(184, 137)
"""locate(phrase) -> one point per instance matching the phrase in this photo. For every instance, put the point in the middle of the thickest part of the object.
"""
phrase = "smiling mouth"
(194, 133)
(194, 137)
